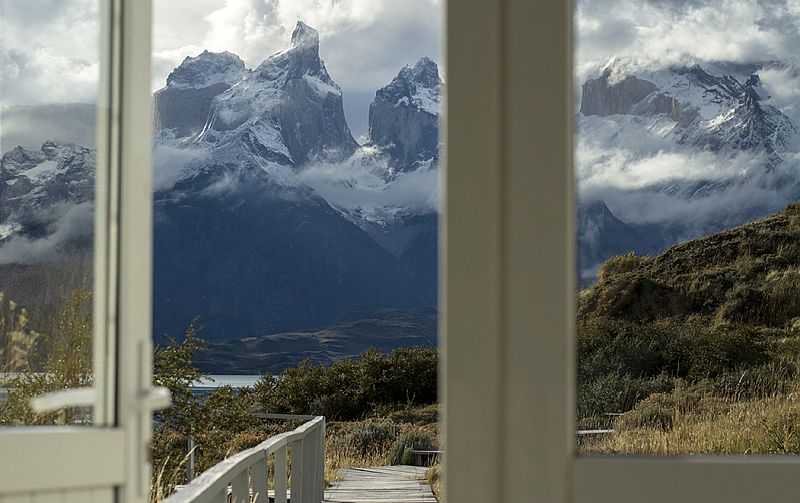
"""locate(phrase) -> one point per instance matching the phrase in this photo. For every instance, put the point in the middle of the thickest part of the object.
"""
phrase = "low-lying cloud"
(68, 222)
(361, 184)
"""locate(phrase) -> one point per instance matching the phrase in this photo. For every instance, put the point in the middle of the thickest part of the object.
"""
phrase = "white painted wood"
(79, 496)
(298, 471)
(240, 488)
(688, 479)
(134, 140)
(48, 497)
(280, 476)
(49, 458)
(508, 287)
(109, 458)
(18, 498)
(304, 457)
(470, 329)
(258, 480)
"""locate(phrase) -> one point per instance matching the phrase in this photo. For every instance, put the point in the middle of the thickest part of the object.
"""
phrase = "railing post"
(321, 460)
(240, 490)
(258, 479)
(298, 471)
(221, 496)
(190, 465)
(308, 466)
(280, 475)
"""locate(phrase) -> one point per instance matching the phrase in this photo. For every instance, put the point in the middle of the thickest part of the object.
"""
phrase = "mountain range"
(269, 217)
(675, 153)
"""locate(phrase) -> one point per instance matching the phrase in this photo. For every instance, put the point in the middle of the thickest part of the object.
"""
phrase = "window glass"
(688, 227)
(48, 101)
(297, 164)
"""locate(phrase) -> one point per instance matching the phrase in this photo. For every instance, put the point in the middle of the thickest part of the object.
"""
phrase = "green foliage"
(622, 362)
(173, 368)
(351, 389)
(659, 410)
(45, 363)
(401, 453)
(783, 434)
(620, 264)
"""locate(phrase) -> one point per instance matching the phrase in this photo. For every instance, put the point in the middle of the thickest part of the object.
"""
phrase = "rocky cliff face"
(705, 143)
(404, 118)
(239, 238)
(47, 195)
(603, 96)
(182, 106)
(287, 111)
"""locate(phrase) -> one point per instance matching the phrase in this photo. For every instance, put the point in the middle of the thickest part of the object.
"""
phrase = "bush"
(620, 264)
(352, 389)
(401, 453)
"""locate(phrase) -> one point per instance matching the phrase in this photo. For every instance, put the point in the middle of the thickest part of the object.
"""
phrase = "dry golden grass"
(377, 442)
(714, 426)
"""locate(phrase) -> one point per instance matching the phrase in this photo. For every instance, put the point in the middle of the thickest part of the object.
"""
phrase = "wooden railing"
(247, 472)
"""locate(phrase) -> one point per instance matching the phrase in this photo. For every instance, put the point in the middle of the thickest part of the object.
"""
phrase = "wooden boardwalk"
(381, 484)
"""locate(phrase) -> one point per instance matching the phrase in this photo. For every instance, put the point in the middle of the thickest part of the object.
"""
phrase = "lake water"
(234, 381)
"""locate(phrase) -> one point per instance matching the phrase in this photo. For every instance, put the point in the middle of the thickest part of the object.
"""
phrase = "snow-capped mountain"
(676, 153)
(241, 235)
(244, 235)
(45, 194)
(286, 112)
(181, 107)
(714, 112)
(404, 118)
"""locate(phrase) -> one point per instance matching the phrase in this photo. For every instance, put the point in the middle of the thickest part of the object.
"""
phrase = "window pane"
(689, 249)
(296, 198)
(48, 101)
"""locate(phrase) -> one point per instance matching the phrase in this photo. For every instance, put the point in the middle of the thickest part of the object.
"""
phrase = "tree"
(43, 363)
(173, 368)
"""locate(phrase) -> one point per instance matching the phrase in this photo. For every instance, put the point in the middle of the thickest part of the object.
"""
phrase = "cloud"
(658, 33)
(364, 43)
(170, 163)
(50, 52)
(360, 185)
(697, 191)
(69, 222)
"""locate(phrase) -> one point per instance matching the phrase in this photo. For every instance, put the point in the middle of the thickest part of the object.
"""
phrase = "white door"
(65, 63)
(509, 283)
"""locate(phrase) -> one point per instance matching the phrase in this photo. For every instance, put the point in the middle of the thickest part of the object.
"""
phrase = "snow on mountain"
(282, 115)
(678, 152)
(404, 117)
(208, 69)
(45, 200)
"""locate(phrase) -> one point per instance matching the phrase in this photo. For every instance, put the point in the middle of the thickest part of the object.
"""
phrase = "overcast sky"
(658, 32)
(51, 45)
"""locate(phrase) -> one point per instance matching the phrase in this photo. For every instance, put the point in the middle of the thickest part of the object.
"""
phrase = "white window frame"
(509, 284)
(108, 461)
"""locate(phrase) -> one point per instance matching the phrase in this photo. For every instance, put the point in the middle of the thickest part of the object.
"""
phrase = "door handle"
(154, 399)
(70, 397)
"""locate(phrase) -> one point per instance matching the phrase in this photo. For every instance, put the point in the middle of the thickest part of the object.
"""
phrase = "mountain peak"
(305, 36)
(426, 72)
(207, 69)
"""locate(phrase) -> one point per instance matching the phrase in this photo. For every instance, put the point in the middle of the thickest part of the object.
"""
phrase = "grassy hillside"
(680, 341)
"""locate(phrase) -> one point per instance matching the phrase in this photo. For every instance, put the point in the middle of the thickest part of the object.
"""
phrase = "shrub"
(401, 453)
(620, 264)
(351, 389)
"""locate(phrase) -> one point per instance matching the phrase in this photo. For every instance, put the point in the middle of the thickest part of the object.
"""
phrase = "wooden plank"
(381, 484)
